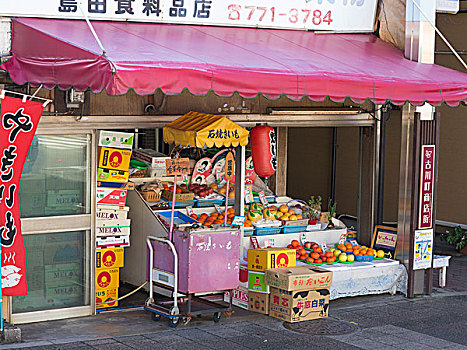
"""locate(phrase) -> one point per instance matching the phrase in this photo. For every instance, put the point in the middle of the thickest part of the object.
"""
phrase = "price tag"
(238, 221)
(254, 242)
(342, 238)
(185, 178)
(189, 211)
(177, 166)
(159, 183)
(303, 237)
(248, 195)
(263, 199)
(323, 246)
(218, 208)
(353, 242)
(270, 242)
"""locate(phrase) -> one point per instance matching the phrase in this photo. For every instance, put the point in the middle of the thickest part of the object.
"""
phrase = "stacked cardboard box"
(112, 223)
(299, 293)
(259, 260)
(154, 160)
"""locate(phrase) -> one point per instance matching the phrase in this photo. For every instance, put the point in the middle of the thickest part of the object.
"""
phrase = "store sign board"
(19, 119)
(425, 210)
(385, 239)
(447, 6)
(177, 166)
(330, 15)
(423, 249)
(229, 166)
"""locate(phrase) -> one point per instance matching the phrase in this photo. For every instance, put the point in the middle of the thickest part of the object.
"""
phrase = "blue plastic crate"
(202, 203)
(248, 231)
(365, 258)
(262, 231)
(270, 199)
(182, 204)
(294, 229)
(179, 218)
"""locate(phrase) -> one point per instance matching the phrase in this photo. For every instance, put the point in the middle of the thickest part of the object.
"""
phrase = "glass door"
(57, 200)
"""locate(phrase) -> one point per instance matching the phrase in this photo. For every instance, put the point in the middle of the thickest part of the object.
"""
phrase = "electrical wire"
(123, 297)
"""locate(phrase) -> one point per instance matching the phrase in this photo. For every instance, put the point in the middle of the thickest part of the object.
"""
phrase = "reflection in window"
(56, 176)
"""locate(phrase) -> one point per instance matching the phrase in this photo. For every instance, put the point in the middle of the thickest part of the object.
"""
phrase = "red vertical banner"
(18, 124)
(427, 172)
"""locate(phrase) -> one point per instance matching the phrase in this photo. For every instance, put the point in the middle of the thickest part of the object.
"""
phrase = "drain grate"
(322, 326)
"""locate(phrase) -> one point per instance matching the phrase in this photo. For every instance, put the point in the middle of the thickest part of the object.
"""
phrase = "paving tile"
(222, 344)
(364, 343)
(100, 341)
(171, 340)
(389, 339)
(196, 334)
(161, 334)
(414, 346)
(225, 332)
(249, 341)
(389, 329)
(112, 346)
(147, 345)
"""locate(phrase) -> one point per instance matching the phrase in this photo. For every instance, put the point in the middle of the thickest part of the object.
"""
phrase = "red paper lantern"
(263, 150)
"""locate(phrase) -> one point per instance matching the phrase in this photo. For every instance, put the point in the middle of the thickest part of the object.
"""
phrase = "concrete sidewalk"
(378, 322)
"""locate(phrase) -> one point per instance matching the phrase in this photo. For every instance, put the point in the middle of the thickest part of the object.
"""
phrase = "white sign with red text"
(331, 15)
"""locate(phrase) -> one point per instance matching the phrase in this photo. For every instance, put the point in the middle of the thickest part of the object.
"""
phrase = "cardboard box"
(239, 297)
(107, 278)
(113, 158)
(106, 295)
(184, 196)
(113, 227)
(112, 241)
(156, 172)
(115, 139)
(257, 282)
(299, 278)
(117, 185)
(111, 212)
(65, 295)
(111, 175)
(258, 302)
(243, 276)
(110, 196)
(62, 275)
(109, 258)
(64, 198)
(296, 306)
(152, 158)
(262, 259)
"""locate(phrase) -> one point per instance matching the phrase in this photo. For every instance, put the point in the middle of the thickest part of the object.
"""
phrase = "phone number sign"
(329, 15)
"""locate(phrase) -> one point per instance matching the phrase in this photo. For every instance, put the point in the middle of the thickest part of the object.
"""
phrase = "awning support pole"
(91, 28)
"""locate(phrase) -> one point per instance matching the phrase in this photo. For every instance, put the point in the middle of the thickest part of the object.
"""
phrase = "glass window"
(56, 176)
(56, 272)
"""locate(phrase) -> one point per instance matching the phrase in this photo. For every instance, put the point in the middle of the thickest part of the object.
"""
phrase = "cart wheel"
(156, 317)
(174, 321)
(217, 316)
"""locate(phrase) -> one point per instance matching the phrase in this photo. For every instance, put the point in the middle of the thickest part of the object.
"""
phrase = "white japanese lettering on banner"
(427, 169)
(341, 15)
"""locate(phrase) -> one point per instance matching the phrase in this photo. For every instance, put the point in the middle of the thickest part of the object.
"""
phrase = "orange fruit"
(302, 252)
(341, 247)
(295, 243)
(247, 223)
(230, 211)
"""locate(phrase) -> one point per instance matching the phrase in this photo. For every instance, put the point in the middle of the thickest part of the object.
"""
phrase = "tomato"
(310, 260)
(329, 254)
(302, 252)
(314, 255)
(295, 243)
(318, 261)
(290, 246)
(317, 249)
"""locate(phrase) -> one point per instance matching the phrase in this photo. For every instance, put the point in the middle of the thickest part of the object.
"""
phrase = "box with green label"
(115, 139)
(257, 282)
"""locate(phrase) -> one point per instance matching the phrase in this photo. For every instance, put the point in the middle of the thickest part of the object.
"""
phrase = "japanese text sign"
(385, 239)
(350, 15)
(229, 166)
(427, 172)
(177, 166)
(18, 125)
(423, 249)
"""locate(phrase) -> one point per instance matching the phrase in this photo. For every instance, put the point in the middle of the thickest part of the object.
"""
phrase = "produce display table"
(363, 278)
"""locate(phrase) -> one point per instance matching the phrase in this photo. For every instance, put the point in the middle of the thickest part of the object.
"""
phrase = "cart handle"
(175, 309)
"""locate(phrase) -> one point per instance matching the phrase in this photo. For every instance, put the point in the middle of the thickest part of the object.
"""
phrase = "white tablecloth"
(362, 278)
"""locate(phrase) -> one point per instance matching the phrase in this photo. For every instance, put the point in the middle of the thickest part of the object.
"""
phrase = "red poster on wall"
(18, 125)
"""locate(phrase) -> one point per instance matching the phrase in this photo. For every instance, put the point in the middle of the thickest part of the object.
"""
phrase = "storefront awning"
(147, 57)
(199, 129)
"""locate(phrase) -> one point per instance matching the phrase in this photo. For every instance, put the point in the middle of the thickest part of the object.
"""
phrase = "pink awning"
(147, 57)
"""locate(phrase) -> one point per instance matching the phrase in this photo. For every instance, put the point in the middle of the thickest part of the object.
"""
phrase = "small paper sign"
(185, 178)
(189, 211)
(303, 237)
(177, 166)
(342, 238)
(248, 195)
(270, 242)
(218, 208)
(238, 221)
(159, 183)
(218, 175)
(229, 168)
(353, 242)
(323, 246)
(263, 199)
(254, 242)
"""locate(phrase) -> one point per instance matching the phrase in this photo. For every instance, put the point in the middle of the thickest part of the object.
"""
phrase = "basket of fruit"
(364, 254)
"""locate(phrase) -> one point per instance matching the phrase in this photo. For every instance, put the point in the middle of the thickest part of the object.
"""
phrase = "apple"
(343, 257)
(337, 253)
(318, 261)
(290, 246)
(351, 258)
(308, 245)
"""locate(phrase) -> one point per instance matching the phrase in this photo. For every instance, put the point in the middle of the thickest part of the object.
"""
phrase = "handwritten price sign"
(177, 166)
